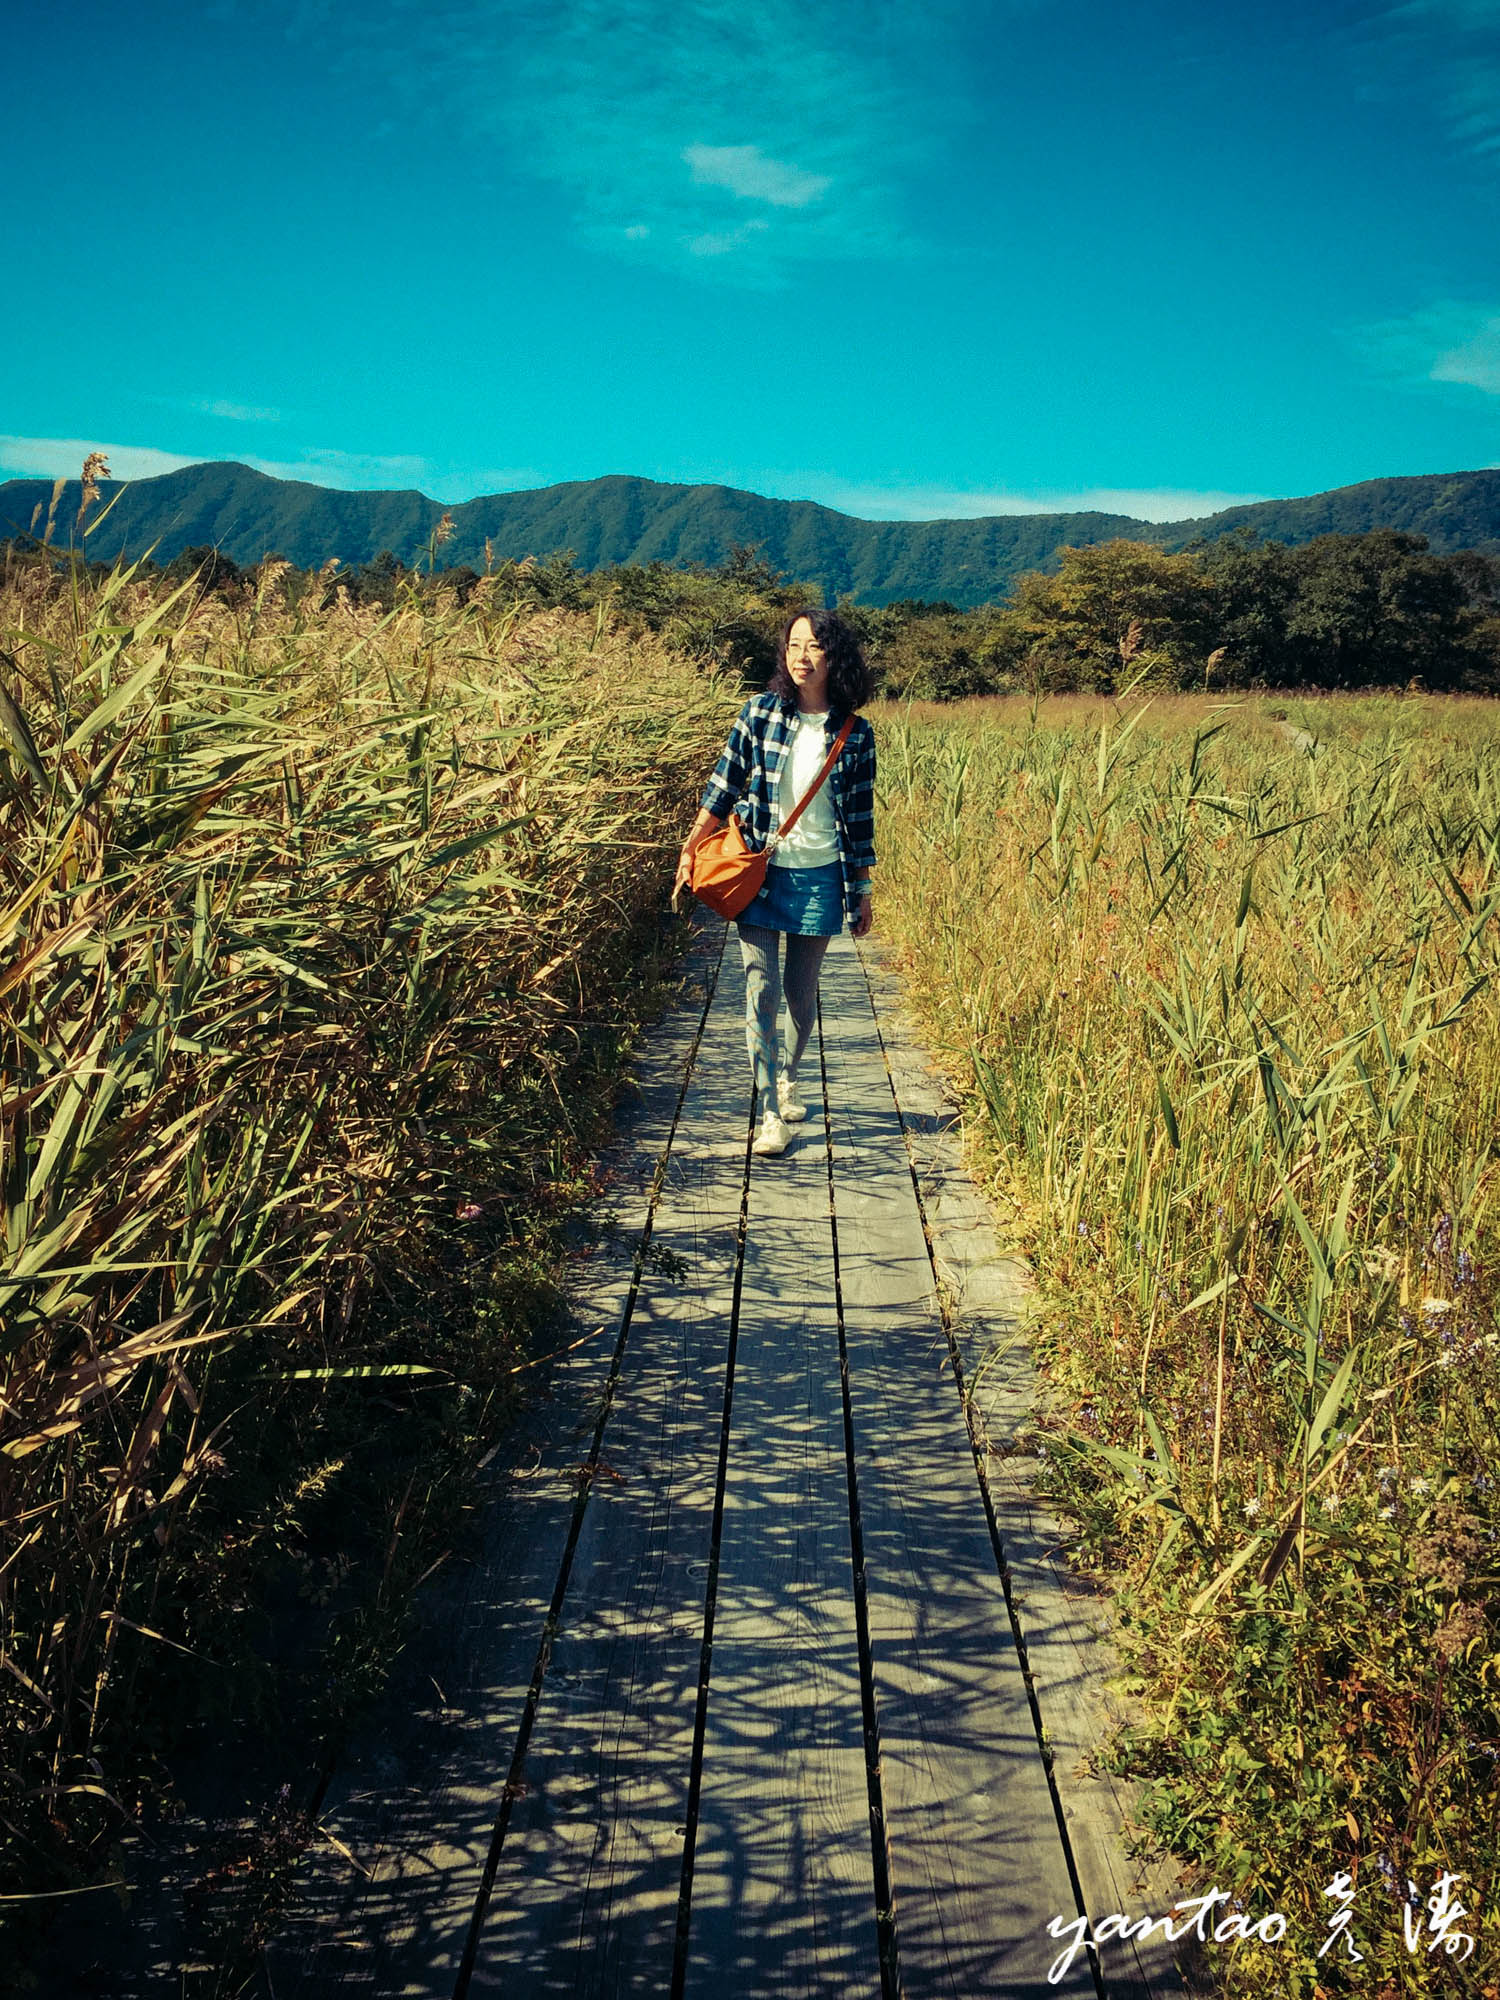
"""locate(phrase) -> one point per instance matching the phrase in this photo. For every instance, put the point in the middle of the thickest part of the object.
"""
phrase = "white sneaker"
(773, 1136)
(793, 1110)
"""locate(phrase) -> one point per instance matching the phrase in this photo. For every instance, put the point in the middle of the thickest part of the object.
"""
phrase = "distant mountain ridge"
(621, 519)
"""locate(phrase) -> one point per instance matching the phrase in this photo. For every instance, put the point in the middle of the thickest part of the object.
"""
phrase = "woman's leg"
(760, 951)
(804, 961)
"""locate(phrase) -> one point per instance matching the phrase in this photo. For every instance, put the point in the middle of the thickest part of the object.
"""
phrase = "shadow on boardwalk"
(744, 1691)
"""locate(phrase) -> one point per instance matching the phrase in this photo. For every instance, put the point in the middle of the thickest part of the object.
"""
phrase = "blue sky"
(972, 259)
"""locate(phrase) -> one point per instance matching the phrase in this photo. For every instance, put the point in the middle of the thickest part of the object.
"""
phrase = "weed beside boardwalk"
(1219, 987)
(324, 937)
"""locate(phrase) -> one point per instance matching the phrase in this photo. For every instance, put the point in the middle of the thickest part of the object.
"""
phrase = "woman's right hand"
(684, 872)
(701, 826)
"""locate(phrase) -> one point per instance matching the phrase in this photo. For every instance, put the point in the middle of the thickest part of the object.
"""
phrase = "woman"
(822, 870)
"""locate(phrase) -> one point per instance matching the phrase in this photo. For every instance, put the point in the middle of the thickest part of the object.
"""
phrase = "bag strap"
(817, 784)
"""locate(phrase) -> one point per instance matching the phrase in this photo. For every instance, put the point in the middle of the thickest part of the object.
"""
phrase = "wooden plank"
(1064, 1619)
(585, 1898)
(978, 1865)
(385, 1900)
(1066, 1629)
(782, 1890)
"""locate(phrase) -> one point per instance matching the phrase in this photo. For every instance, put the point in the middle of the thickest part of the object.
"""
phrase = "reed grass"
(321, 932)
(1218, 983)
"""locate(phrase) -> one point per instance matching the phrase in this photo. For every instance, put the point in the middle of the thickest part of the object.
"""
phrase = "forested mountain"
(1454, 510)
(619, 519)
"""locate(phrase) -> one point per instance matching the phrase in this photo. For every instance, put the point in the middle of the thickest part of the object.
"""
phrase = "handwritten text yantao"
(1427, 1926)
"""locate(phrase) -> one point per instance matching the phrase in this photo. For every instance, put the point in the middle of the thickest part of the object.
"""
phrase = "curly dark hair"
(850, 682)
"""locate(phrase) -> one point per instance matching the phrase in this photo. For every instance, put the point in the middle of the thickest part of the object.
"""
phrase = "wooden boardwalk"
(734, 1703)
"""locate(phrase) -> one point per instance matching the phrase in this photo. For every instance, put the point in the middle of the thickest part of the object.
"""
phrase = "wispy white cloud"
(1447, 342)
(1475, 361)
(238, 413)
(720, 242)
(215, 406)
(347, 471)
(350, 471)
(676, 113)
(357, 472)
(62, 458)
(746, 171)
(660, 120)
(941, 503)
(1450, 49)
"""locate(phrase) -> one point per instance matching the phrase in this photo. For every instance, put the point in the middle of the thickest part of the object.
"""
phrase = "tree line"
(1342, 611)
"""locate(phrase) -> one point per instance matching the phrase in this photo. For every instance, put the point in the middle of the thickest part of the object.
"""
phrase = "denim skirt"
(808, 902)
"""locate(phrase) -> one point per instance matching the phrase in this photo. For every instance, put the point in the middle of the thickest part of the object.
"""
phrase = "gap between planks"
(585, 1897)
(979, 1863)
(386, 1898)
(586, 1881)
(783, 1900)
(1061, 1618)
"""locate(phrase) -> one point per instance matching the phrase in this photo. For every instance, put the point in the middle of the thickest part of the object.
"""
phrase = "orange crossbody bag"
(726, 875)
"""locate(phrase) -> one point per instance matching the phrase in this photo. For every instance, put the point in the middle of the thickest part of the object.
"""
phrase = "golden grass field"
(325, 931)
(1217, 981)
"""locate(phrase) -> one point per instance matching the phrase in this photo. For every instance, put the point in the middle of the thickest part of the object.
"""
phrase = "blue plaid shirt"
(744, 781)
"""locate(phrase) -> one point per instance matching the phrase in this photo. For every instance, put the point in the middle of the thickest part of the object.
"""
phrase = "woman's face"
(808, 666)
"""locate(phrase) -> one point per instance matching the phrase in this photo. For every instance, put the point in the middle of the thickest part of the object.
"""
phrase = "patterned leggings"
(761, 952)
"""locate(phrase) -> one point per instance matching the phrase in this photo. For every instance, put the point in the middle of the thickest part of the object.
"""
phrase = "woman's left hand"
(861, 925)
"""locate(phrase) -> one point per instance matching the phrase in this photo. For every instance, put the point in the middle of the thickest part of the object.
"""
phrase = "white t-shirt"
(813, 842)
